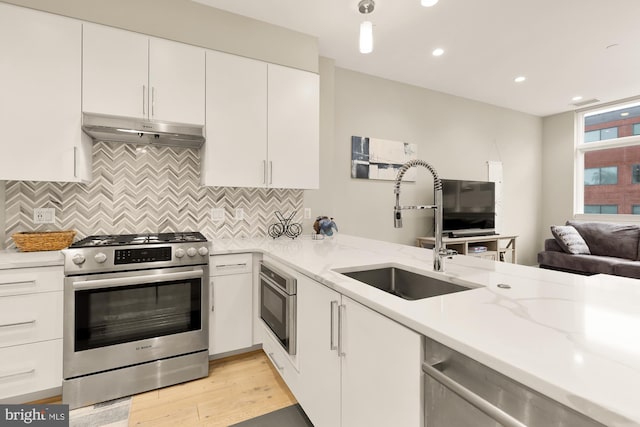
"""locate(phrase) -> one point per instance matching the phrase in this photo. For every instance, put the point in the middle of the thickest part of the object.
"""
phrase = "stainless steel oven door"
(121, 319)
(278, 310)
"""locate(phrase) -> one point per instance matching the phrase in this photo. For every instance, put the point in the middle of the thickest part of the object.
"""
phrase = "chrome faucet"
(439, 251)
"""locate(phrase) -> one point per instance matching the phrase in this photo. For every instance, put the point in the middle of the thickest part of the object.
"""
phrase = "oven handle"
(273, 285)
(138, 280)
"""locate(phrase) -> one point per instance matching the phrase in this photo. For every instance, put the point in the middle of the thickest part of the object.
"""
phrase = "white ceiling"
(561, 46)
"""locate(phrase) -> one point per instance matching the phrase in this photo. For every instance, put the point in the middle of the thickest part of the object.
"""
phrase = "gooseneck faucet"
(439, 250)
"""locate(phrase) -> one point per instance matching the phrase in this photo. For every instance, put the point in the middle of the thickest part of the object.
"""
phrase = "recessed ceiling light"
(576, 98)
(437, 52)
(428, 3)
(520, 79)
(625, 114)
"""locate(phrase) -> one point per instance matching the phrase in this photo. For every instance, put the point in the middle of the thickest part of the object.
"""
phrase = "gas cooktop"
(138, 239)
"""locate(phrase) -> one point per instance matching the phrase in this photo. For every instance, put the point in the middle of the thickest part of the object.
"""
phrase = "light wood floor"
(238, 388)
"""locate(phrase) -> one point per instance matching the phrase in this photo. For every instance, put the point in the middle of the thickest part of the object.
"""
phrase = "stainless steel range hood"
(102, 127)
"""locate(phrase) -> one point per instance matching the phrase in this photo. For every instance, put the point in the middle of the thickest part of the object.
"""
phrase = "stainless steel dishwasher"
(460, 392)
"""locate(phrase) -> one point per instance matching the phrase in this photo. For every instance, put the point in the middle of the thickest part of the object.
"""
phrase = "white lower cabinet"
(317, 346)
(31, 306)
(231, 303)
(285, 364)
(30, 368)
(357, 367)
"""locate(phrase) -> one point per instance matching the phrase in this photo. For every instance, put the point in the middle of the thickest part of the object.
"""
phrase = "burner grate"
(138, 239)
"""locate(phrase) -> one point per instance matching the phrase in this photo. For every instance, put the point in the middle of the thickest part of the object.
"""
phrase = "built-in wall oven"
(136, 314)
(278, 304)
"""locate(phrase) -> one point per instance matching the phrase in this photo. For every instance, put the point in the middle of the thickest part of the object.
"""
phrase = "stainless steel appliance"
(278, 304)
(459, 391)
(102, 127)
(135, 314)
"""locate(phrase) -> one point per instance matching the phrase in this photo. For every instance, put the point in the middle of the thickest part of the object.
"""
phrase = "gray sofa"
(614, 249)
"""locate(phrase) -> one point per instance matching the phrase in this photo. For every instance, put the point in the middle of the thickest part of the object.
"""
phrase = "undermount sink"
(404, 284)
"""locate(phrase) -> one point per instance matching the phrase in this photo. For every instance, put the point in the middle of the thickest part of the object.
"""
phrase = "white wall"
(189, 22)
(557, 171)
(457, 136)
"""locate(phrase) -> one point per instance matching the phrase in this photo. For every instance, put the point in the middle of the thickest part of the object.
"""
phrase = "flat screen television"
(468, 207)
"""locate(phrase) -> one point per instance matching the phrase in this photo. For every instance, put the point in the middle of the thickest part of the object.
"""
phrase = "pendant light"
(366, 27)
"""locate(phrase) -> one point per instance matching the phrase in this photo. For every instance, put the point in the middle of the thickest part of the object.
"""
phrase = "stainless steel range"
(135, 314)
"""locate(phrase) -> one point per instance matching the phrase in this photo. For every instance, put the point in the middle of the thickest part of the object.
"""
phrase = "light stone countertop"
(575, 339)
(15, 259)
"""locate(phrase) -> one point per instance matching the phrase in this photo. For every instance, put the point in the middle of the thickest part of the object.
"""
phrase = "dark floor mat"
(291, 416)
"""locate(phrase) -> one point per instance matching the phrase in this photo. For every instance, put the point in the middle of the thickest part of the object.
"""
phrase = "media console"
(499, 247)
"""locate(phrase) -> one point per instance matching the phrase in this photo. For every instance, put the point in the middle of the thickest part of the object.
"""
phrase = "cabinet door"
(176, 81)
(293, 128)
(235, 152)
(230, 319)
(319, 363)
(381, 370)
(114, 71)
(40, 87)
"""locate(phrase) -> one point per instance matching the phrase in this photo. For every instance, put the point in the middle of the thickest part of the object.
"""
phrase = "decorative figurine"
(325, 226)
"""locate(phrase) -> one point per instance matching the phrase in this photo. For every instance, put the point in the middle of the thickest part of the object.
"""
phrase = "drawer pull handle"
(8, 325)
(15, 374)
(273, 359)
(21, 282)
(242, 264)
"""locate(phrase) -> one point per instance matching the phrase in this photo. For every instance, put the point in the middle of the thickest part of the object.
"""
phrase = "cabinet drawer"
(30, 318)
(30, 368)
(30, 280)
(280, 360)
(222, 265)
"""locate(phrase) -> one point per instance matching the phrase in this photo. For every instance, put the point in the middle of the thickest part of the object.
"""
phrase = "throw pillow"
(569, 239)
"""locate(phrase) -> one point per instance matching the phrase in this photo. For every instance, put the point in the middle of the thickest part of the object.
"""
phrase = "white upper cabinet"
(40, 87)
(262, 124)
(235, 152)
(114, 71)
(177, 81)
(293, 129)
(133, 75)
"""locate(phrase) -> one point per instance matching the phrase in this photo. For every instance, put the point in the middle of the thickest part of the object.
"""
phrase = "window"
(600, 134)
(635, 174)
(600, 209)
(601, 176)
(607, 160)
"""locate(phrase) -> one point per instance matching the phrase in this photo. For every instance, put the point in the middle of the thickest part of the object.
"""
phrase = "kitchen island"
(571, 338)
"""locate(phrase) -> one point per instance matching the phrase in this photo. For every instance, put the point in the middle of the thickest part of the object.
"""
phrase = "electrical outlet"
(217, 214)
(44, 216)
(239, 214)
(307, 213)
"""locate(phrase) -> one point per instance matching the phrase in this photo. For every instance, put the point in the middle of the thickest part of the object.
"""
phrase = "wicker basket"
(43, 240)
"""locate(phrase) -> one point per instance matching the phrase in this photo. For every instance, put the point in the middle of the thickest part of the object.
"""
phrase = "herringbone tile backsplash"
(146, 189)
